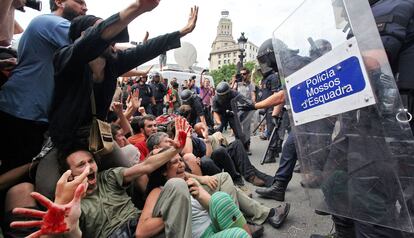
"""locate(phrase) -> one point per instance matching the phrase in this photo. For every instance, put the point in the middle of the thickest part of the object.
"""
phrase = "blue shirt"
(28, 92)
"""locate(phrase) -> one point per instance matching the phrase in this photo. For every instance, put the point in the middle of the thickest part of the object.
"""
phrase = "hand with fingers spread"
(58, 219)
(182, 128)
(135, 101)
(67, 185)
(192, 20)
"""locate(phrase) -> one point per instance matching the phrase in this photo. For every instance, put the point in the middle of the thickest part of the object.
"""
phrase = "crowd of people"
(169, 170)
(167, 167)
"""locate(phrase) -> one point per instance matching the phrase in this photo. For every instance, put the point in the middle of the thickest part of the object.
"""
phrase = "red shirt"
(142, 147)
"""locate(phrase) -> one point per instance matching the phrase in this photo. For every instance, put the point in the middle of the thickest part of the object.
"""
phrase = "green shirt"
(108, 207)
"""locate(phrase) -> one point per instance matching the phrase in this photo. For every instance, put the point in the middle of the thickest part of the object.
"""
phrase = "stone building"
(225, 49)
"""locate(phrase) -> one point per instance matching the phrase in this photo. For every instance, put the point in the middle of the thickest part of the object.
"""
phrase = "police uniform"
(145, 93)
(159, 90)
(395, 22)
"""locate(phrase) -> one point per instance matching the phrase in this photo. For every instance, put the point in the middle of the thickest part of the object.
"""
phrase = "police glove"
(246, 107)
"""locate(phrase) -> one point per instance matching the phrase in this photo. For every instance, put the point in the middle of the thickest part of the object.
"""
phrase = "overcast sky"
(258, 19)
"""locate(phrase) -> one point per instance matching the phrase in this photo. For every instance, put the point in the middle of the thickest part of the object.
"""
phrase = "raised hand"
(182, 128)
(135, 101)
(117, 107)
(67, 185)
(192, 20)
(57, 219)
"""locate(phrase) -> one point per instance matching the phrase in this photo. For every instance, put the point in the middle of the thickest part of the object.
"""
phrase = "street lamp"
(242, 42)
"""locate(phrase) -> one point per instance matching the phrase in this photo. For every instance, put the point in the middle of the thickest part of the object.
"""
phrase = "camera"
(239, 78)
(34, 4)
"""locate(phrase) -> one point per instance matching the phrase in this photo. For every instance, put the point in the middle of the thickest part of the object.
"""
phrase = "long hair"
(157, 178)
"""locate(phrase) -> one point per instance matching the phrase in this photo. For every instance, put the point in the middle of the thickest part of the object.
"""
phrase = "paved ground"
(302, 221)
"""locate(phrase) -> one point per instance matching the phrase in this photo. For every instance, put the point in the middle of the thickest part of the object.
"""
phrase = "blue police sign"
(339, 81)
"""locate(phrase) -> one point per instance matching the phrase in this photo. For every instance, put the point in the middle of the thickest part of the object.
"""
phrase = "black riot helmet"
(266, 58)
(186, 96)
(223, 88)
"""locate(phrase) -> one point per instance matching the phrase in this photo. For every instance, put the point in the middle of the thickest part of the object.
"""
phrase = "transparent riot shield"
(241, 123)
(352, 134)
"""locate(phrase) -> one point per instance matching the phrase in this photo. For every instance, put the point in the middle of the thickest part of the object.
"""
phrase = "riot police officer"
(288, 159)
(270, 85)
(159, 90)
(196, 113)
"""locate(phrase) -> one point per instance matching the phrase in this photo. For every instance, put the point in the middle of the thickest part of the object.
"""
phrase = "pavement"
(302, 220)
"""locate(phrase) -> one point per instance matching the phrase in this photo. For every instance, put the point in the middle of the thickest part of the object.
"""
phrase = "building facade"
(225, 50)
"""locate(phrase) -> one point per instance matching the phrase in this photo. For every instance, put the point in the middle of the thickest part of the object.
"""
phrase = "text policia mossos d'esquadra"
(318, 92)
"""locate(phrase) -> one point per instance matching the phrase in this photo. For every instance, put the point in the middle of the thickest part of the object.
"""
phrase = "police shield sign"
(332, 84)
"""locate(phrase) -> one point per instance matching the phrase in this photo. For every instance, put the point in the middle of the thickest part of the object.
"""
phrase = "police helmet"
(223, 88)
(320, 47)
(186, 95)
(266, 58)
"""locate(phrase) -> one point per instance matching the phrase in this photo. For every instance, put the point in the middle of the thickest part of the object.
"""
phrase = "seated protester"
(252, 209)
(234, 155)
(148, 126)
(81, 69)
(107, 210)
(136, 130)
(130, 151)
(212, 215)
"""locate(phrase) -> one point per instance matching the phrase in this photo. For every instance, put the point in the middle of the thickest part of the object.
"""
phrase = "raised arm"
(155, 161)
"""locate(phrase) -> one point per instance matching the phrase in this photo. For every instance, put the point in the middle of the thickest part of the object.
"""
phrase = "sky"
(258, 19)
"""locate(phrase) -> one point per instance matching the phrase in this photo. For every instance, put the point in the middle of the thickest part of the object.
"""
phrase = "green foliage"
(227, 71)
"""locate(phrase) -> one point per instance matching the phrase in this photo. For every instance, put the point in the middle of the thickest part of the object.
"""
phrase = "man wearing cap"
(159, 91)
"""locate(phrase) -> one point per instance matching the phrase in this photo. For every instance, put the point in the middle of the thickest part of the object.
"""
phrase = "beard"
(69, 13)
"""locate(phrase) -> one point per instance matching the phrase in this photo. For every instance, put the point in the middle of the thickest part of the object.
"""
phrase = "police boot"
(276, 191)
(270, 156)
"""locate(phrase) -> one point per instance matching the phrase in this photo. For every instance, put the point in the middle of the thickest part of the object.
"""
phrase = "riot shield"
(352, 133)
(241, 122)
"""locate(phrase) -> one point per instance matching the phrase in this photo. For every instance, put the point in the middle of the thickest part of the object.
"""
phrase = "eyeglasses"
(244, 73)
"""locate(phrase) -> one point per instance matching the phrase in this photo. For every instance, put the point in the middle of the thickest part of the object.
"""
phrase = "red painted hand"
(57, 219)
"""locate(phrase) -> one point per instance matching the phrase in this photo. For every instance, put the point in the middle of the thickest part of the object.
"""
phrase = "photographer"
(245, 87)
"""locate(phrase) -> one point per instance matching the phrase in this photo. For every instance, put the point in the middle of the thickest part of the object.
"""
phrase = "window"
(219, 62)
(219, 56)
(225, 61)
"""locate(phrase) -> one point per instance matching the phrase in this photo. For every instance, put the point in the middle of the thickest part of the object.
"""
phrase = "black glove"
(246, 107)
(229, 113)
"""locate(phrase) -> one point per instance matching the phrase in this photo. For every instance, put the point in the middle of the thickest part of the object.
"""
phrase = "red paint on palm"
(54, 221)
(182, 137)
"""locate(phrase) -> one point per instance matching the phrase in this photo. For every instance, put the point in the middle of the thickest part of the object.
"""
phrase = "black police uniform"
(159, 90)
(145, 93)
(197, 110)
(395, 22)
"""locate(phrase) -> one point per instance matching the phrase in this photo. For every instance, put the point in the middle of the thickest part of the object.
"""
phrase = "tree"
(227, 71)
